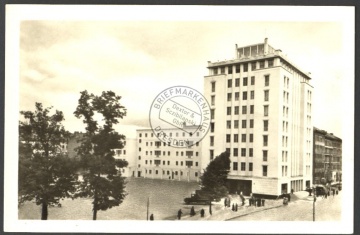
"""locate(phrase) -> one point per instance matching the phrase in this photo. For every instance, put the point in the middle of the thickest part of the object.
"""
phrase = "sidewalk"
(221, 213)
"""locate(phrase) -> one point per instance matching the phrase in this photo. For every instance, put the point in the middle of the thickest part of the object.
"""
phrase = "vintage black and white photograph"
(179, 119)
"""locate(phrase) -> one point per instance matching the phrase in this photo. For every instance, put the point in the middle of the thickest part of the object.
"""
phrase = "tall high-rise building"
(261, 107)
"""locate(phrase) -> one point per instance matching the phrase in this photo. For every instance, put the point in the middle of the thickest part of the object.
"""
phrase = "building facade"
(327, 157)
(156, 159)
(127, 153)
(261, 114)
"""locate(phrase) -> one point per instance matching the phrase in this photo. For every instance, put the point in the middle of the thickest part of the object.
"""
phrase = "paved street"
(301, 210)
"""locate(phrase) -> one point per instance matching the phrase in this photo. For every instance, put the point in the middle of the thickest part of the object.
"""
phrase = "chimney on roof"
(236, 51)
(266, 49)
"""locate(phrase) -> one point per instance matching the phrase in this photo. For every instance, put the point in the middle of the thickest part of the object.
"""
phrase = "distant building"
(128, 153)
(261, 114)
(158, 160)
(327, 157)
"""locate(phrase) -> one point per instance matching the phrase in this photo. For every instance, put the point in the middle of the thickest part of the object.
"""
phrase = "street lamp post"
(314, 193)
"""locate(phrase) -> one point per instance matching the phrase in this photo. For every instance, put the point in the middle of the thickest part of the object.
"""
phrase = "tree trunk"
(44, 211)
(94, 213)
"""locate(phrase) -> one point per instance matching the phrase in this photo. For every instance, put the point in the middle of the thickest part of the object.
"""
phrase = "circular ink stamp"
(180, 116)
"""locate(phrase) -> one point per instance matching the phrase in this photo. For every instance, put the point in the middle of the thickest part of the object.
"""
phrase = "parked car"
(198, 197)
(321, 190)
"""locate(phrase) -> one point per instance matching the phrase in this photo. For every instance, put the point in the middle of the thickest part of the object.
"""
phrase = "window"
(229, 83)
(212, 129)
(213, 87)
(251, 137)
(264, 170)
(237, 68)
(237, 82)
(266, 110)
(266, 125)
(251, 109)
(145, 162)
(243, 152)
(139, 149)
(211, 140)
(196, 164)
(228, 124)
(252, 95)
(251, 152)
(168, 162)
(265, 140)
(236, 96)
(252, 80)
(236, 138)
(270, 63)
(230, 69)
(253, 66)
(228, 138)
(235, 166)
(145, 134)
(243, 138)
(140, 135)
(251, 123)
(212, 113)
(266, 95)
(262, 64)
(182, 153)
(229, 96)
(244, 109)
(244, 95)
(236, 124)
(215, 70)
(267, 80)
(212, 100)
(245, 81)
(236, 153)
(245, 67)
(222, 70)
(228, 111)
(243, 166)
(168, 153)
(236, 111)
(197, 154)
(250, 166)
(211, 154)
(227, 150)
(243, 124)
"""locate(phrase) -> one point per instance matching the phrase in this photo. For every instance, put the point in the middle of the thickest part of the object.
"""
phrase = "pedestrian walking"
(229, 202)
(152, 217)
(233, 207)
(236, 207)
(225, 202)
(179, 214)
(333, 191)
(202, 212)
(292, 191)
(192, 211)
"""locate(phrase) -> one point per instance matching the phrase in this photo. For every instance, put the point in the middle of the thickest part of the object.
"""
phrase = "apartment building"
(156, 159)
(327, 157)
(261, 112)
(127, 153)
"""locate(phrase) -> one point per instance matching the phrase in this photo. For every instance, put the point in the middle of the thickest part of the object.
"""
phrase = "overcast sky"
(138, 59)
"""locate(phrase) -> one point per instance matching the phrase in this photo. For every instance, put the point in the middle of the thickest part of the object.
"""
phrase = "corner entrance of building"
(237, 186)
(139, 173)
(284, 188)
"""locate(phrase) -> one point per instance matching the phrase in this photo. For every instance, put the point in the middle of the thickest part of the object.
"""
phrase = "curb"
(253, 212)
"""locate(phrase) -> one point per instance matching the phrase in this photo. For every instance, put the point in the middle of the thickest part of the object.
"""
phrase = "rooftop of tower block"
(257, 52)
